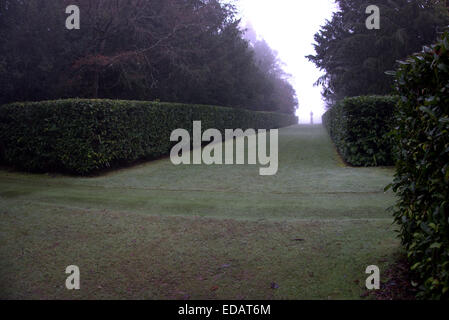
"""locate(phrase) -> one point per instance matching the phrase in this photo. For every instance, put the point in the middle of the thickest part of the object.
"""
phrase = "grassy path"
(157, 231)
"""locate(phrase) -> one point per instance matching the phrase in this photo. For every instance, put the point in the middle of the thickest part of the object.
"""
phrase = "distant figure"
(311, 118)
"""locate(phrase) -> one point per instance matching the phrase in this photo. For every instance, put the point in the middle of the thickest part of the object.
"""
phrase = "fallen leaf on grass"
(274, 285)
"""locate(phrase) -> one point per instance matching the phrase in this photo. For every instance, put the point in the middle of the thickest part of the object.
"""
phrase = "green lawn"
(156, 231)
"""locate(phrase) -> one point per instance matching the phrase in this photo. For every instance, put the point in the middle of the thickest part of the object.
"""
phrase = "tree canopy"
(355, 59)
(190, 51)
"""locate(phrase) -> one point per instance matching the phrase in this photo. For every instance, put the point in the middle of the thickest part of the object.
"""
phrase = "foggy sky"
(288, 26)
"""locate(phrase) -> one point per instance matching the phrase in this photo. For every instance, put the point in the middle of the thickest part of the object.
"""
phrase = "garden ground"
(156, 231)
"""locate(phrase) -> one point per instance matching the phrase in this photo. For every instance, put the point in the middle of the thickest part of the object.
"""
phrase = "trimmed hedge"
(422, 178)
(359, 127)
(85, 136)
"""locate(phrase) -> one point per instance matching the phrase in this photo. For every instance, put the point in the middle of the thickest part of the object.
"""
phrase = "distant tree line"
(355, 59)
(190, 51)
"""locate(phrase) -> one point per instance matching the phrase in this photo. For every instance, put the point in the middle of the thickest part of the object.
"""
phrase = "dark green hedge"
(422, 178)
(85, 136)
(359, 127)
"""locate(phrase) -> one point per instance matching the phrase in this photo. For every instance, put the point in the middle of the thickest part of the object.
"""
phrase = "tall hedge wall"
(359, 127)
(422, 178)
(85, 136)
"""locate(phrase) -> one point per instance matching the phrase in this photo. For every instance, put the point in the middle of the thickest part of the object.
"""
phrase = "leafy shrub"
(422, 178)
(85, 136)
(359, 127)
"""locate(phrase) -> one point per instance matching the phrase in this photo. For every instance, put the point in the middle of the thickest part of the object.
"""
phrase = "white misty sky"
(288, 26)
